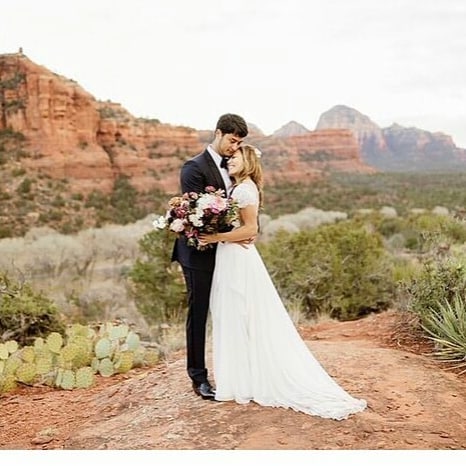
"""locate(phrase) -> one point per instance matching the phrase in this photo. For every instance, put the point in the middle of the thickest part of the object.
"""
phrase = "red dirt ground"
(413, 404)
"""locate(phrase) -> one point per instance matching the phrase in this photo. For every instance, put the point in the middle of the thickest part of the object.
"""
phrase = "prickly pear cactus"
(84, 377)
(73, 361)
(3, 351)
(26, 372)
(124, 361)
(44, 364)
(54, 342)
(28, 354)
(7, 348)
(133, 341)
(117, 332)
(39, 343)
(12, 364)
(103, 348)
(79, 330)
(7, 383)
(11, 346)
(68, 352)
(151, 357)
(106, 368)
(68, 380)
(84, 351)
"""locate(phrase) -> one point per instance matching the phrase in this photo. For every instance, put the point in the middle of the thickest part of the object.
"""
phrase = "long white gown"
(258, 355)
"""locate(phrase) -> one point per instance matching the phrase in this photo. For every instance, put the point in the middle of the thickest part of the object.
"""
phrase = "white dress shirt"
(223, 171)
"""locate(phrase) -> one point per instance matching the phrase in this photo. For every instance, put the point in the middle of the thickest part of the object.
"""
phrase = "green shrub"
(6, 231)
(341, 270)
(25, 186)
(124, 200)
(157, 284)
(25, 313)
(439, 280)
(420, 231)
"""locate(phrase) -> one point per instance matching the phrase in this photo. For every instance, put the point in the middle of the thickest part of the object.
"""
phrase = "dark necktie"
(223, 163)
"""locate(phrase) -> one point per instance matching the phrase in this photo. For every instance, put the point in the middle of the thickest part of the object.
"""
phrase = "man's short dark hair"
(232, 124)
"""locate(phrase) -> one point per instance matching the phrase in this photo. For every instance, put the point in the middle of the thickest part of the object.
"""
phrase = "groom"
(206, 169)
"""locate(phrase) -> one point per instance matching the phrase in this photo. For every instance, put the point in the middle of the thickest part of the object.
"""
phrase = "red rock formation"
(312, 155)
(71, 135)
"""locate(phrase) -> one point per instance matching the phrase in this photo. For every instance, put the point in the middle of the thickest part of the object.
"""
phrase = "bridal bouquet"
(193, 213)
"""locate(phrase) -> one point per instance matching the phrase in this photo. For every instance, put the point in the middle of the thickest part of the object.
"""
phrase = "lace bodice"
(246, 193)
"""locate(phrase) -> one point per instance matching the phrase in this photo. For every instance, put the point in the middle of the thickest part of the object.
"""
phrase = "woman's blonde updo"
(252, 168)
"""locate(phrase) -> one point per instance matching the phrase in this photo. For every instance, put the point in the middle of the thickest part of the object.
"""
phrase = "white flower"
(204, 201)
(177, 225)
(195, 220)
(211, 201)
(160, 223)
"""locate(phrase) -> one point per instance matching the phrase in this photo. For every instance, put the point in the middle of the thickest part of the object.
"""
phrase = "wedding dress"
(258, 355)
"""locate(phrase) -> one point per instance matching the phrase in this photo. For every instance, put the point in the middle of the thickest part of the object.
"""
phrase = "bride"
(258, 355)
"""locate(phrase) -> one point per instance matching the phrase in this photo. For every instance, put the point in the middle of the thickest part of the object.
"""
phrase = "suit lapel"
(213, 171)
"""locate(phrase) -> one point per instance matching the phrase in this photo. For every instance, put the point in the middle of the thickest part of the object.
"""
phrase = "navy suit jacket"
(196, 174)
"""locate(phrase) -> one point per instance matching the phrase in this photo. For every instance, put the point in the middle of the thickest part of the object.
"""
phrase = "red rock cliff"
(71, 135)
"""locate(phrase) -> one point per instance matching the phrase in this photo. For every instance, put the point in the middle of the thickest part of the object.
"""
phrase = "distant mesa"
(396, 148)
(292, 128)
(254, 130)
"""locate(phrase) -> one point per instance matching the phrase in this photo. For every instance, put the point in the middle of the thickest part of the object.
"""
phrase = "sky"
(186, 62)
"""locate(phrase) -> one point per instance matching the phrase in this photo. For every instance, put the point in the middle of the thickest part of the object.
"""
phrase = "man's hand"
(246, 242)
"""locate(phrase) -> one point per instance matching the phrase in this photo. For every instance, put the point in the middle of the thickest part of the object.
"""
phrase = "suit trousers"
(198, 285)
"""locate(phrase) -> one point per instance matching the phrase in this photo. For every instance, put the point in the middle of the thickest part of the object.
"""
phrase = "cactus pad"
(7, 383)
(54, 342)
(106, 368)
(84, 377)
(133, 341)
(118, 331)
(26, 372)
(11, 346)
(68, 380)
(28, 354)
(124, 361)
(103, 348)
(151, 357)
(3, 351)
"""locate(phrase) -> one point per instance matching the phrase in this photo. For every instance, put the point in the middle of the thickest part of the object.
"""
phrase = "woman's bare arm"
(246, 231)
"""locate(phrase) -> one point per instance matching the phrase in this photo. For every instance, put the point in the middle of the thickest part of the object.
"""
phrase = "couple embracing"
(258, 354)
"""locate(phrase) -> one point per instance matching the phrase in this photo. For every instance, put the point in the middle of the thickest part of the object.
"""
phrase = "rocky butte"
(396, 148)
(69, 134)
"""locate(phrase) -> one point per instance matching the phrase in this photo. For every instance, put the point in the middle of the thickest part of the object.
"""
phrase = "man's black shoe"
(204, 390)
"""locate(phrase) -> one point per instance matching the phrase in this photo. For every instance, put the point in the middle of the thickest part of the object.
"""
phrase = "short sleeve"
(246, 194)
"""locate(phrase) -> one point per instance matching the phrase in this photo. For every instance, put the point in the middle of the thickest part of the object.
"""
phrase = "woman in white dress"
(258, 355)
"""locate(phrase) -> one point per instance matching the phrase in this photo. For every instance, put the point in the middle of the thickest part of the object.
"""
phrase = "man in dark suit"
(206, 169)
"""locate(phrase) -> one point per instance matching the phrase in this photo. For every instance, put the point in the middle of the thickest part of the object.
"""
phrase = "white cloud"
(186, 62)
